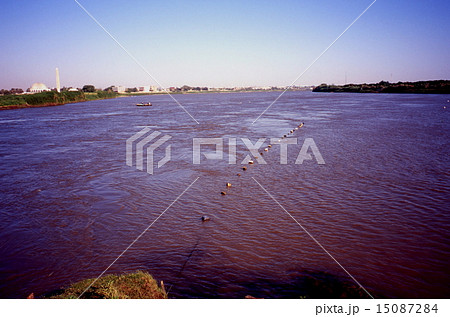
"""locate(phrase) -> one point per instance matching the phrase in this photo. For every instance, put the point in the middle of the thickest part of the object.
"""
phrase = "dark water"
(380, 205)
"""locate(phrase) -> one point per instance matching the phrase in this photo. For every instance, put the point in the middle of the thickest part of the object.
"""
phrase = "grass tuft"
(132, 286)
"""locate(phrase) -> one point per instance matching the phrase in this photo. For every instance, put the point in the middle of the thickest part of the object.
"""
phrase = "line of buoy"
(250, 162)
(292, 131)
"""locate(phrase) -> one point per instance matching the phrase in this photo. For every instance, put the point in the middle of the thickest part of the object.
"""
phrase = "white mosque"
(38, 87)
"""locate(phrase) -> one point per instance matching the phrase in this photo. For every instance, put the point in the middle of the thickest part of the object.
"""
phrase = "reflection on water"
(70, 205)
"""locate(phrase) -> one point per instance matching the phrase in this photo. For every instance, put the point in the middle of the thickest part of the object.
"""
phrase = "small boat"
(144, 104)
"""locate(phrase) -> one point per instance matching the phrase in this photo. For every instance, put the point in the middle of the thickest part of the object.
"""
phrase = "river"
(377, 211)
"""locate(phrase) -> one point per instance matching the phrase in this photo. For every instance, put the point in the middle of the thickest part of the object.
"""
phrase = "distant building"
(120, 89)
(38, 87)
(144, 89)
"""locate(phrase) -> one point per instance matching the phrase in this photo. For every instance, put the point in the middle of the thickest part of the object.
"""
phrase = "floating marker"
(228, 184)
(223, 193)
(205, 218)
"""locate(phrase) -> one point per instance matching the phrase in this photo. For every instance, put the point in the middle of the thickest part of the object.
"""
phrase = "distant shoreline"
(53, 98)
(418, 87)
(11, 102)
(50, 99)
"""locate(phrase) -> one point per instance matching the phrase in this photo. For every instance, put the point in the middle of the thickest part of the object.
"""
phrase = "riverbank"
(418, 87)
(51, 98)
(126, 286)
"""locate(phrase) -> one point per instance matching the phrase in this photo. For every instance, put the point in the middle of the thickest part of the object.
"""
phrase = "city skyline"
(229, 44)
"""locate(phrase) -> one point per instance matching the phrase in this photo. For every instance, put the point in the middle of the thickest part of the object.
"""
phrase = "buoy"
(223, 193)
(269, 145)
(266, 149)
(205, 218)
(285, 135)
(292, 131)
(296, 129)
(250, 162)
(244, 168)
(256, 157)
(238, 174)
(228, 184)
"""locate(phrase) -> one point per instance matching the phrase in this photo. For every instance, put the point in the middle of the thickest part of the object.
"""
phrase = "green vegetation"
(51, 98)
(12, 100)
(133, 286)
(418, 87)
(99, 94)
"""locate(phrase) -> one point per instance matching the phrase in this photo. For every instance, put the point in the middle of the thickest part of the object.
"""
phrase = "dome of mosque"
(38, 87)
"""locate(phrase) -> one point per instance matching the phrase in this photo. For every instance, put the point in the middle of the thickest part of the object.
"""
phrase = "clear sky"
(222, 43)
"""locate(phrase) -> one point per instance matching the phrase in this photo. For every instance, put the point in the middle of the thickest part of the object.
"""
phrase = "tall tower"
(58, 84)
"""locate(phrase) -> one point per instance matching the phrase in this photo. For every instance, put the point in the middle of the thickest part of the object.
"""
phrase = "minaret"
(58, 85)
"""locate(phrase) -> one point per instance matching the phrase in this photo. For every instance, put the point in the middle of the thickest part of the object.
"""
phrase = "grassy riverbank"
(51, 98)
(132, 285)
(418, 87)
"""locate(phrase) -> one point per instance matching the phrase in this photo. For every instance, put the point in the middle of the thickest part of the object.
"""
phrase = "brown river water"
(70, 205)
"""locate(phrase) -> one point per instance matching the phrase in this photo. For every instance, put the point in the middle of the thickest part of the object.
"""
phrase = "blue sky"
(223, 43)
